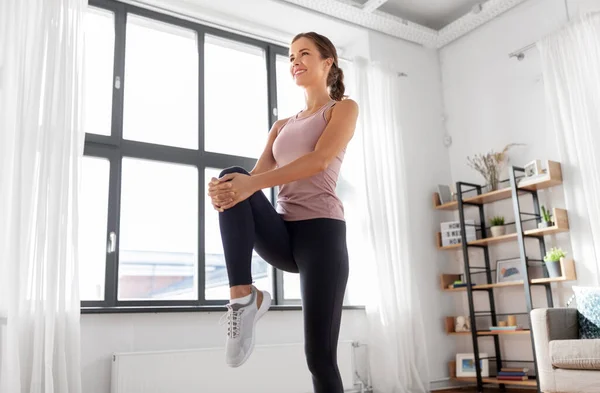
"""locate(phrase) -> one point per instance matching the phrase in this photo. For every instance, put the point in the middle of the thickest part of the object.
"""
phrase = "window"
(158, 250)
(158, 122)
(93, 213)
(99, 59)
(161, 83)
(235, 77)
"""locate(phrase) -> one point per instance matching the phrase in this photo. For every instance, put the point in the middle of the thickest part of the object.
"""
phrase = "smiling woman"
(306, 234)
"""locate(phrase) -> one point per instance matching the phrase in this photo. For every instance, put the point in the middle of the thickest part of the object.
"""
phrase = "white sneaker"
(241, 320)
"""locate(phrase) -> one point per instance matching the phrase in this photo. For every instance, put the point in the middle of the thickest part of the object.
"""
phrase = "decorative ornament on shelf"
(463, 324)
(546, 218)
(552, 260)
(497, 226)
(490, 165)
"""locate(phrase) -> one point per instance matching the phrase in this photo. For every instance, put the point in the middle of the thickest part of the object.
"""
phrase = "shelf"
(452, 371)
(492, 333)
(567, 268)
(450, 330)
(529, 382)
(552, 178)
(561, 225)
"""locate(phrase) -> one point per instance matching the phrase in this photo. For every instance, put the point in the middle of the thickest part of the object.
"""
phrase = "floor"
(486, 390)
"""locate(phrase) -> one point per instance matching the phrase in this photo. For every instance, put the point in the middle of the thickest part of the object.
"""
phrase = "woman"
(307, 232)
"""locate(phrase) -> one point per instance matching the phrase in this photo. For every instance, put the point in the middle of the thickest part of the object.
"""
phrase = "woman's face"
(306, 66)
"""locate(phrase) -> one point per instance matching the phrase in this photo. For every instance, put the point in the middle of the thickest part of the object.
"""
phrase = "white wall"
(492, 100)
(103, 335)
(427, 161)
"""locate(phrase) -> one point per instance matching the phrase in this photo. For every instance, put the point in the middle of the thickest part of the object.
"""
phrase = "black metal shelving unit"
(463, 188)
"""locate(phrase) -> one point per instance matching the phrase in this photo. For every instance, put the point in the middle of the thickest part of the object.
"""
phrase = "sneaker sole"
(264, 307)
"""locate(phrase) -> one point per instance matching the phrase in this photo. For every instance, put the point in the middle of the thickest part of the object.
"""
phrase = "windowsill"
(159, 309)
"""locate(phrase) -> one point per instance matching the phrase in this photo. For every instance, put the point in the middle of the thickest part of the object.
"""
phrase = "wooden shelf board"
(561, 225)
(508, 237)
(551, 179)
(530, 382)
(490, 333)
(452, 247)
(567, 269)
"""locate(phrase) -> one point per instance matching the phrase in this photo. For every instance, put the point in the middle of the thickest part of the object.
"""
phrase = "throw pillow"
(588, 311)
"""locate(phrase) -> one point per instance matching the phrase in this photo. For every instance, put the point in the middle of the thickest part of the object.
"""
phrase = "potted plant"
(546, 218)
(498, 228)
(552, 260)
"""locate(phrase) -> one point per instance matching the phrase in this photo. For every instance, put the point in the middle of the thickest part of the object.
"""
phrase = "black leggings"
(316, 249)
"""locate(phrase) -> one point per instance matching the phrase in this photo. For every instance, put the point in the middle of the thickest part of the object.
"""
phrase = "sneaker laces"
(234, 320)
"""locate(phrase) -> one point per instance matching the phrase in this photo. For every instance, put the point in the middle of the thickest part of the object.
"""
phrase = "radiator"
(270, 369)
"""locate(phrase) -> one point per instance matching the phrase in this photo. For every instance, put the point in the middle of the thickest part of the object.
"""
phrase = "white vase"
(498, 230)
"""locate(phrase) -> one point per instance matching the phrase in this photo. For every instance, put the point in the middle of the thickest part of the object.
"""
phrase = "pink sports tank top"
(312, 197)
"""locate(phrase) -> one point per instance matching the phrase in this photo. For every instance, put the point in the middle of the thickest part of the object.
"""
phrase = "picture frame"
(509, 270)
(533, 168)
(465, 365)
(445, 193)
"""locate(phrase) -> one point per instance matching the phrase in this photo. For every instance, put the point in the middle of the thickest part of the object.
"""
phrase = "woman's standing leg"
(320, 251)
(251, 224)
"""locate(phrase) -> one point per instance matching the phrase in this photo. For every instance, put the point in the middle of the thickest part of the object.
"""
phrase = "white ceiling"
(434, 14)
(432, 23)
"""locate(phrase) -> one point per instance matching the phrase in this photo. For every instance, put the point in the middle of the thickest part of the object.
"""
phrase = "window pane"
(217, 281)
(161, 84)
(291, 286)
(93, 215)
(159, 231)
(290, 97)
(235, 100)
(99, 55)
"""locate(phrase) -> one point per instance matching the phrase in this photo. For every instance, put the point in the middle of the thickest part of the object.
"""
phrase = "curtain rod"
(519, 53)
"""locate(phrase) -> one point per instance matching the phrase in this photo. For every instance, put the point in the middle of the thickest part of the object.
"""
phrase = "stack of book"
(505, 328)
(513, 374)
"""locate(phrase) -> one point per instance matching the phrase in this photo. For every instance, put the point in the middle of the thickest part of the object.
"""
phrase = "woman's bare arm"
(266, 162)
(337, 134)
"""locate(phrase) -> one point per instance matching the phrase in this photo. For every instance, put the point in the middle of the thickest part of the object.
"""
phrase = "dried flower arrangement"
(490, 165)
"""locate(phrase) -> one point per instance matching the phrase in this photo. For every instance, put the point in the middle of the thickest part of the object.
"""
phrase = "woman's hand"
(219, 194)
(230, 190)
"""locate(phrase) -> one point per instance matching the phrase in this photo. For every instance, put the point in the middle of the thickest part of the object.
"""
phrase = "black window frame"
(114, 148)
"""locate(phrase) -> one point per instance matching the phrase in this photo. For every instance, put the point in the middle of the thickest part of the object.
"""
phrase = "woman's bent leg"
(253, 224)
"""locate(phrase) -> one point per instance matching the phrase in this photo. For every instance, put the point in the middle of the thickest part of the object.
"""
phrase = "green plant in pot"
(497, 226)
(546, 218)
(552, 260)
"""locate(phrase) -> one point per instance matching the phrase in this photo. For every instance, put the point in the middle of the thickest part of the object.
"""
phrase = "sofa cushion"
(575, 354)
(588, 311)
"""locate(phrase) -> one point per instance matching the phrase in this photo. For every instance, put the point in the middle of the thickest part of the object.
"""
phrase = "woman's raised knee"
(233, 169)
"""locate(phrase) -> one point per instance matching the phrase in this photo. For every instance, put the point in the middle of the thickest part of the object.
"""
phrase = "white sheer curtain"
(397, 354)
(41, 144)
(571, 69)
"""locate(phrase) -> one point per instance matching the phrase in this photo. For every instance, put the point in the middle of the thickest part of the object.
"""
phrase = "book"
(505, 328)
(512, 378)
(515, 369)
(511, 373)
